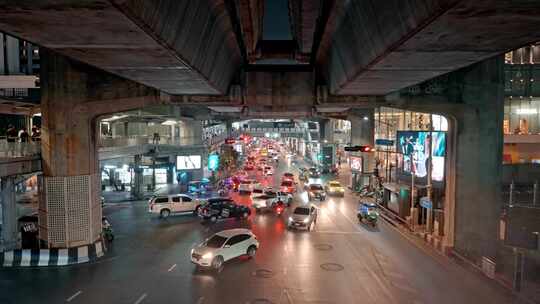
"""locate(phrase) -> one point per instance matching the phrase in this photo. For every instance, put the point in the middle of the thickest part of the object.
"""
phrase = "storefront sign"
(384, 142)
(426, 203)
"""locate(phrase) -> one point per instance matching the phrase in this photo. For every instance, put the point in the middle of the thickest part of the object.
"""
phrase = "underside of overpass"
(210, 58)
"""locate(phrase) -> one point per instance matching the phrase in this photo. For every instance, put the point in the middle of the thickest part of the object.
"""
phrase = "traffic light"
(360, 149)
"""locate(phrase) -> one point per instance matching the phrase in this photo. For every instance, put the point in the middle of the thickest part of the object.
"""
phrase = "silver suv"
(165, 205)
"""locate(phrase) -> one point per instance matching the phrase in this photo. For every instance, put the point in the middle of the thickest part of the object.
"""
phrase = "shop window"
(506, 126)
(536, 54)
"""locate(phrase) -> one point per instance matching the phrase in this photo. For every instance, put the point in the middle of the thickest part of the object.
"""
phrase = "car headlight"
(306, 220)
(192, 250)
(290, 219)
(208, 256)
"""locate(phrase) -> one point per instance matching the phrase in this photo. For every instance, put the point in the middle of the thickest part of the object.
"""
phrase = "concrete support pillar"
(192, 131)
(70, 197)
(228, 128)
(478, 135)
(8, 215)
(73, 96)
(137, 189)
(327, 130)
(474, 106)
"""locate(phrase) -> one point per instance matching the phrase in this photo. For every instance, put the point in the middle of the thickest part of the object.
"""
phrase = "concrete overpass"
(101, 57)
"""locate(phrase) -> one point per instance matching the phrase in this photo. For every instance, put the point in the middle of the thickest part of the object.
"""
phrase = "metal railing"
(18, 149)
(522, 194)
(128, 141)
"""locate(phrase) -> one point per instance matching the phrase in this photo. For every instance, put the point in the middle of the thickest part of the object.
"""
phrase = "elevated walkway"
(20, 165)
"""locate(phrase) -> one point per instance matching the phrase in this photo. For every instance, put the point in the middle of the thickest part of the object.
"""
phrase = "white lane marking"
(337, 232)
(172, 267)
(140, 299)
(201, 300)
(73, 296)
(289, 298)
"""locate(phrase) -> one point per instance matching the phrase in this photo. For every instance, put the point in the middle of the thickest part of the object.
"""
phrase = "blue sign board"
(213, 162)
(384, 142)
(426, 203)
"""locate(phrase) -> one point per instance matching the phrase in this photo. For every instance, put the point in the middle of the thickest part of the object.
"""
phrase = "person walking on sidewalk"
(24, 139)
(11, 134)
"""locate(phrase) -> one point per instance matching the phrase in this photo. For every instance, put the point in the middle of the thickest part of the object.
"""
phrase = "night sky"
(276, 20)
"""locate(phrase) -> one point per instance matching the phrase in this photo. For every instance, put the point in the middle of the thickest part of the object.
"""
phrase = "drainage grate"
(332, 267)
(263, 273)
(323, 247)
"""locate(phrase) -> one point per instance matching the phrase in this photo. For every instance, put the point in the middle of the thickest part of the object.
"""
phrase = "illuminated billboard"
(356, 163)
(188, 162)
(213, 162)
(414, 145)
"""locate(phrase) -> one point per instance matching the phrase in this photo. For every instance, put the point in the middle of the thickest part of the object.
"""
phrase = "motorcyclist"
(279, 206)
(107, 229)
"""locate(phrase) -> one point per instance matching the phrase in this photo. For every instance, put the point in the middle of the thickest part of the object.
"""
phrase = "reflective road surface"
(340, 261)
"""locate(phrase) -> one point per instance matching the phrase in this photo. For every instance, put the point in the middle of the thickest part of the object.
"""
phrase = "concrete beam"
(378, 47)
(304, 15)
(251, 14)
(179, 47)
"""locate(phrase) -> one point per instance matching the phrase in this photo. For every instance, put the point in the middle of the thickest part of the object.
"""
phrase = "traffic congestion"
(295, 196)
(274, 230)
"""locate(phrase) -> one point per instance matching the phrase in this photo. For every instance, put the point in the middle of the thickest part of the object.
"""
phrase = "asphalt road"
(340, 261)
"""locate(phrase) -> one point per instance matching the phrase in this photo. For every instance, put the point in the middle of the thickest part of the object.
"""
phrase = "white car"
(303, 217)
(175, 203)
(246, 186)
(285, 197)
(224, 246)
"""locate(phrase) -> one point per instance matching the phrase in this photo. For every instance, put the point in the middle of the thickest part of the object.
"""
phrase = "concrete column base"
(70, 211)
(9, 233)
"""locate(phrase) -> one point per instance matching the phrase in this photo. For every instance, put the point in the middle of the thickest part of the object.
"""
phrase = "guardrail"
(108, 142)
(19, 149)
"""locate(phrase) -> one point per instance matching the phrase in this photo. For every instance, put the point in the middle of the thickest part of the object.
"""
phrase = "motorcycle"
(106, 230)
(367, 212)
(279, 207)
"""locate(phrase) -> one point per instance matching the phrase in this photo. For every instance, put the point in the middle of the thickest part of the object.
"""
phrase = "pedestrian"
(11, 134)
(36, 134)
(24, 138)
(156, 139)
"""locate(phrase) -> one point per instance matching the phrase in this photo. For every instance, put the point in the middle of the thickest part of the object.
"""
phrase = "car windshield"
(288, 175)
(286, 184)
(215, 241)
(315, 187)
(246, 182)
(334, 184)
(301, 211)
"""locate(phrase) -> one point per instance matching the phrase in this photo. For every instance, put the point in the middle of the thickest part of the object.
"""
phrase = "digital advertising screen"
(188, 162)
(356, 163)
(414, 145)
(213, 162)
